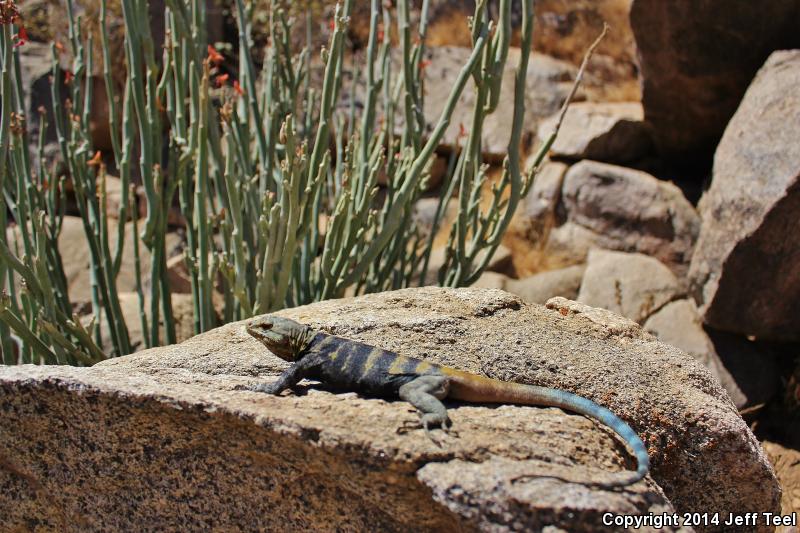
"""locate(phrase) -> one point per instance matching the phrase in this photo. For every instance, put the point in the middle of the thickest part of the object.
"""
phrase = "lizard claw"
(429, 426)
(408, 426)
(429, 433)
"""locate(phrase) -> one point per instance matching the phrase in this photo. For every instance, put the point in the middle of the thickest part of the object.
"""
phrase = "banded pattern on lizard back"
(348, 365)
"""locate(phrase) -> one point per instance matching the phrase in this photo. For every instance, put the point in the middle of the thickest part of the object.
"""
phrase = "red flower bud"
(97, 160)
(238, 88)
(21, 36)
(213, 56)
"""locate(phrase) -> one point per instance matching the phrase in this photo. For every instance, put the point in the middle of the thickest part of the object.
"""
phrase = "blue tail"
(584, 406)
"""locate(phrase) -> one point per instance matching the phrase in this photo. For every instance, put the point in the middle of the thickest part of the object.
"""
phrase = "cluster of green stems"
(287, 197)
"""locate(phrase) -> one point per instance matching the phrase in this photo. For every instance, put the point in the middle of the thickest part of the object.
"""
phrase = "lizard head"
(285, 338)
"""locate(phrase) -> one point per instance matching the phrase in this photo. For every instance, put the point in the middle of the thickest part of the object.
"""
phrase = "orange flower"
(97, 160)
(59, 46)
(221, 79)
(213, 56)
(238, 88)
(331, 24)
(425, 63)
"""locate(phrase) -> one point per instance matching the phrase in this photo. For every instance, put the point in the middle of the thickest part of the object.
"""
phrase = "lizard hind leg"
(425, 393)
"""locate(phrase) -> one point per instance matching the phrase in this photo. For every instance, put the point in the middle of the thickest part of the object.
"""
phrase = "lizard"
(347, 365)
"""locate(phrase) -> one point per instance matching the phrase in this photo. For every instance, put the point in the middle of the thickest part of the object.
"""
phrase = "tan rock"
(608, 132)
(500, 263)
(632, 285)
(113, 196)
(180, 281)
(491, 280)
(622, 209)
(679, 324)
(546, 190)
(168, 426)
(182, 314)
(598, 205)
(787, 466)
(539, 288)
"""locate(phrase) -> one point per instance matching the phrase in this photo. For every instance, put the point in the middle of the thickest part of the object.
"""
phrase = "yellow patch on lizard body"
(397, 365)
(373, 357)
(422, 366)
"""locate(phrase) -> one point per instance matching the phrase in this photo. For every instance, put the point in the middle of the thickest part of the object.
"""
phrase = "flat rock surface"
(164, 439)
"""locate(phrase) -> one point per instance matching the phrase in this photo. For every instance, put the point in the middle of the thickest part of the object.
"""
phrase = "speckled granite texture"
(163, 440)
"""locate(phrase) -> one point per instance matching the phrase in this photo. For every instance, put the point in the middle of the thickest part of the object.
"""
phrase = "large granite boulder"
(745, 267)
(696, 61)
(166, 439)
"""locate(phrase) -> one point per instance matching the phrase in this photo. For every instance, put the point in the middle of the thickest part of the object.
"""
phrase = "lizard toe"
(267, 388)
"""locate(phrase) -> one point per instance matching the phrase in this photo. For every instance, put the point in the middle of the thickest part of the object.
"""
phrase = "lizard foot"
(268, 388)
(436, 419)
(432, 420)
(414, 425)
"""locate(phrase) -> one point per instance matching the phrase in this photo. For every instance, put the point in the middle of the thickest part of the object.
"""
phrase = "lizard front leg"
(288, 378)
(425, 393)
